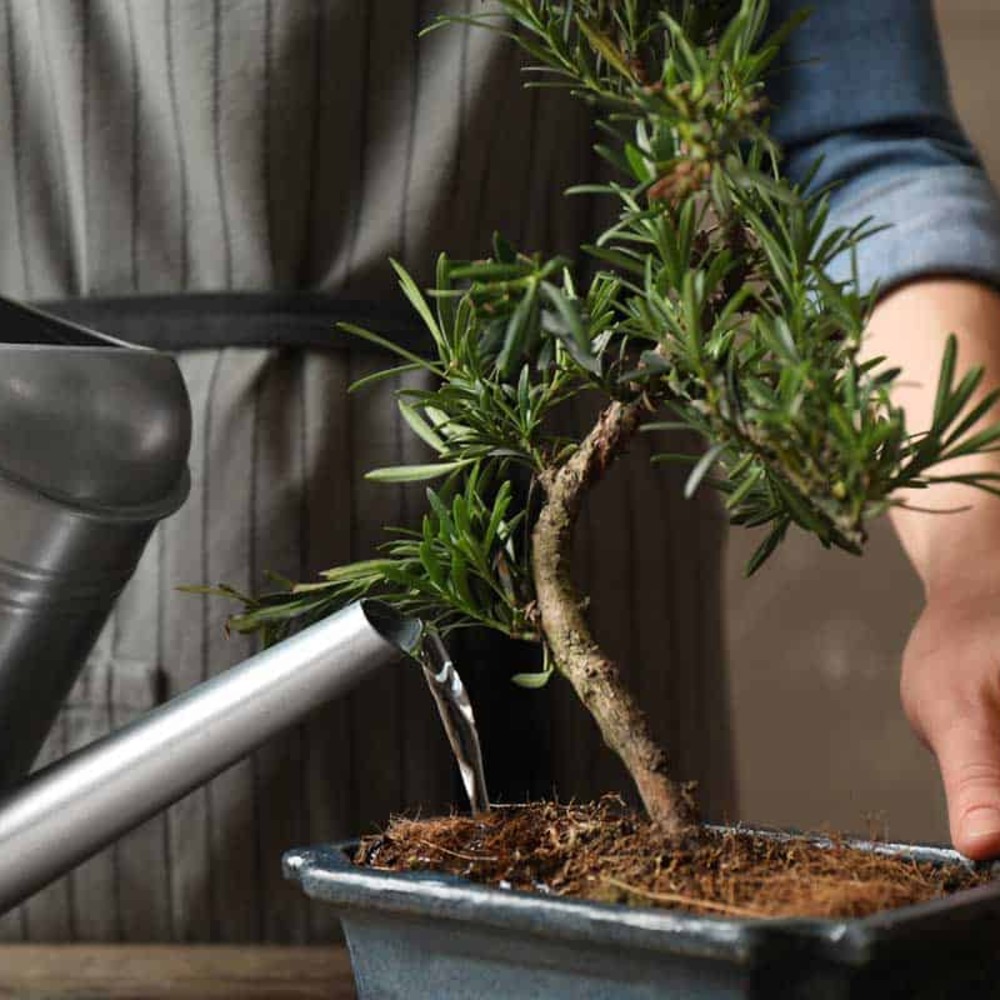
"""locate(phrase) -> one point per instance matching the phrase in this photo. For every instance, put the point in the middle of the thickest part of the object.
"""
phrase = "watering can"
(94, 436)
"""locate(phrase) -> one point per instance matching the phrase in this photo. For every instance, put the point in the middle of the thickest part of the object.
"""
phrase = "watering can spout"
(68, 811)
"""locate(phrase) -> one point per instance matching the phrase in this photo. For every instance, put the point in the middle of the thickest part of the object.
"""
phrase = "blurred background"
(815, 640)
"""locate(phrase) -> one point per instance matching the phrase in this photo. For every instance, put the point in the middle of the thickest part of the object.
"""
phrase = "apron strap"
(215, 320)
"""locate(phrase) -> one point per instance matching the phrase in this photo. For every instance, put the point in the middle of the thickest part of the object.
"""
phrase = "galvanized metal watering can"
(94, 436)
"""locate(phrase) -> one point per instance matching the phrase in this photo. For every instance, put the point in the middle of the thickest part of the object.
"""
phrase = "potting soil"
(602, 851)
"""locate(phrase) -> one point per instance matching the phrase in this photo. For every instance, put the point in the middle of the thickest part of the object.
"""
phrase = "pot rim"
(327, 874)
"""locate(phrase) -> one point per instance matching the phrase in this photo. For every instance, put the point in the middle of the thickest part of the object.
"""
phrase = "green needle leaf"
(533, 681)
(702, 468)
(415, 473)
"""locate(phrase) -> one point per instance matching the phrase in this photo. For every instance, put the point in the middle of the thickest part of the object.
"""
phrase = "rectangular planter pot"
(426, 935)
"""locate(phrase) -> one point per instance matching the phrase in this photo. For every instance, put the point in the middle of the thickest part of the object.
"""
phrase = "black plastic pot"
(431, 936)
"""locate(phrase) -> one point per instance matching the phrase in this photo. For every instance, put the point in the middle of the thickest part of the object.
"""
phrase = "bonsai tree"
(711, 308)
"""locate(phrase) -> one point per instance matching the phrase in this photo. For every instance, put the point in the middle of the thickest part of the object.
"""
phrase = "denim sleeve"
(862, 87)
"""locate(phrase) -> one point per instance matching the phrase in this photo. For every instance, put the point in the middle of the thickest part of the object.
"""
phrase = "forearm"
(951, 551)
(950, 684)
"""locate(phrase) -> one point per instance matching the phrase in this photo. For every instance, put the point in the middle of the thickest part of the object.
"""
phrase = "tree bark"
(594, 677)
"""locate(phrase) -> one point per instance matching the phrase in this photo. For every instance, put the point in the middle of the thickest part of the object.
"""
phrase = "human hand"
(951, 668)
(950, 688)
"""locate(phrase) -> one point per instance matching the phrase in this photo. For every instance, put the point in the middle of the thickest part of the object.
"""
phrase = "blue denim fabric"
(863, 87)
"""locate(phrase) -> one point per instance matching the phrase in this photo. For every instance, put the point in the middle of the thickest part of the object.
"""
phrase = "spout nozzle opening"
(404, 633)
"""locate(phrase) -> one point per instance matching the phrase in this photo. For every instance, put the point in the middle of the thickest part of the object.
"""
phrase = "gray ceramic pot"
(437, 937)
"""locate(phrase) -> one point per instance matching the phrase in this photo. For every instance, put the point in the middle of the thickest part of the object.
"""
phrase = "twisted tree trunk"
(593, 675)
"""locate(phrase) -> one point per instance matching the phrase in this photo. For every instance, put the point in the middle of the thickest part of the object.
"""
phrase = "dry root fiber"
(601, 851)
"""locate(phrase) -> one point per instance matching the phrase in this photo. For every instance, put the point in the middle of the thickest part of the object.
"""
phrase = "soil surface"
(601, 851)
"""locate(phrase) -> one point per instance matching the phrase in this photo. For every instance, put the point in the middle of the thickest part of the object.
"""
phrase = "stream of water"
(455, 709)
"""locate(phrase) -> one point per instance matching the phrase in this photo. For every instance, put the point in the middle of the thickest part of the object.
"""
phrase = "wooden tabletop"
(156, 972)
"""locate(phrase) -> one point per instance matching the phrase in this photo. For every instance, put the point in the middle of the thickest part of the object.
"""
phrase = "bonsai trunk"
(594, 676)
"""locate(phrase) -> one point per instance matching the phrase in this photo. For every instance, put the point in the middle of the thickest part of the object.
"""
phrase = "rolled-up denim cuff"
(940, 221)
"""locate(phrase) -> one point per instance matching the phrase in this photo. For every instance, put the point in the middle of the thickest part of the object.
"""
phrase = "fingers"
(968, 754)
(950, 689)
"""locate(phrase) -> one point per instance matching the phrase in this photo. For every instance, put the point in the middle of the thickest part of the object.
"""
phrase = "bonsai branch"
(594, 677)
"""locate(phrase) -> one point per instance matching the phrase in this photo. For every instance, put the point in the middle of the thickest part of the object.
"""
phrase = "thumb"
(968, 754)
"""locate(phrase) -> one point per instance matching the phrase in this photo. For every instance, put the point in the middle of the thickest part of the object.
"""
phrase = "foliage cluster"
(711, 308)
